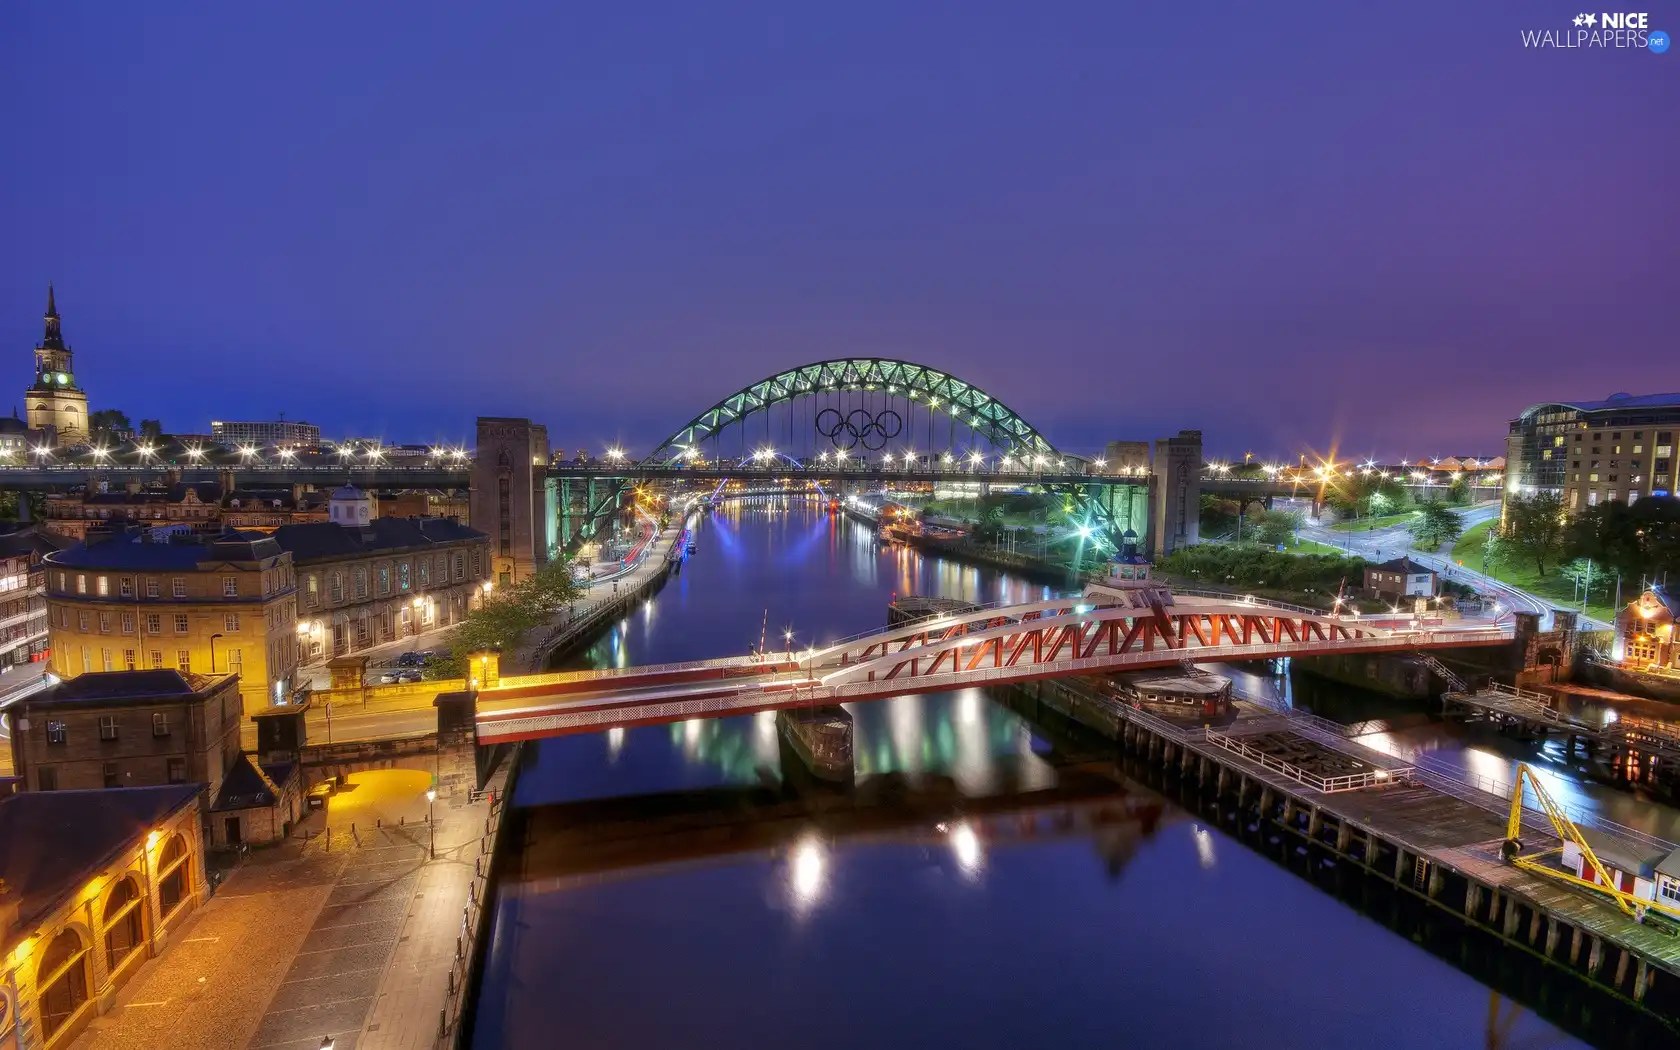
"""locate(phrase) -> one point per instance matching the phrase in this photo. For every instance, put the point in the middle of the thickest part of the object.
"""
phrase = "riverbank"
(582, 620)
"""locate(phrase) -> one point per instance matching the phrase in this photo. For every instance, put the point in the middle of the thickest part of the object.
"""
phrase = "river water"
(1147, 932)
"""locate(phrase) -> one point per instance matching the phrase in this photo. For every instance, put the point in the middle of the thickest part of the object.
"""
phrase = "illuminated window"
(151, 587)
(180, 623)
(103, 586)
(230, 623)
(183, 661)
(230, 586)
(178, 587)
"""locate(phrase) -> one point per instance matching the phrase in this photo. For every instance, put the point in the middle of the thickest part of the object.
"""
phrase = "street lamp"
(431, 824)
(213, 651)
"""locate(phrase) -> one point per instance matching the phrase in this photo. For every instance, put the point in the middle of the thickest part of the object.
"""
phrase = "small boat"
(822, 737)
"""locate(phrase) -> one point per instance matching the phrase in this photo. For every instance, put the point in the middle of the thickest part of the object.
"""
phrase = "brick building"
(128, 729)
(218, 605)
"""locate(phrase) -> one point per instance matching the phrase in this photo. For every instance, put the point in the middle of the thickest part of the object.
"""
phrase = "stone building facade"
(128, 729)
(204, 508)
(217, 606)
(92, 883)
(23, 594)
(1176, 493)
(366, 580)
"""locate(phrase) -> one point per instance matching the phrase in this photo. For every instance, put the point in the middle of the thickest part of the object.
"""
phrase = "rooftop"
(134, 552)
(325, 539)
(125, 685)
(52, 842)
(1614, 401)
(1405, 566)
(250, 785)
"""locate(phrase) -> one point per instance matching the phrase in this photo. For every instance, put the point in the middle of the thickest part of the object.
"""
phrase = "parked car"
(390, 678)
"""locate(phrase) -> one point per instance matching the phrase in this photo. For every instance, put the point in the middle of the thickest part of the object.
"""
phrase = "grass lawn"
(1551, 586)
(1381, 521)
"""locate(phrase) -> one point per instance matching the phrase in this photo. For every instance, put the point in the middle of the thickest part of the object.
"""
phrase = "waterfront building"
(366, 579)
(1400, 578)
(512, 496)
(91, 885)
(264, 434)
(124, 729)
(223, 604)
(1592, 452)
(23, 593)
(1644, 636)
(56, 404)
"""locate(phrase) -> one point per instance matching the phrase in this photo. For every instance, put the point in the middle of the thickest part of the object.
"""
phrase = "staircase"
(1444, 673)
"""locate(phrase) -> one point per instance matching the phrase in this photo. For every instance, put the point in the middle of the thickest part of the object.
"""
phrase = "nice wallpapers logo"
(1622, 30)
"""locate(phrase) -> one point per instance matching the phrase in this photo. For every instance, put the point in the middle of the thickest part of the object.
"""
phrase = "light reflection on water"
(822, 939)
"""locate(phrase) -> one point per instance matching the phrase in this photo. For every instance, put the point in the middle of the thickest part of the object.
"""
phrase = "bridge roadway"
(1100, 632)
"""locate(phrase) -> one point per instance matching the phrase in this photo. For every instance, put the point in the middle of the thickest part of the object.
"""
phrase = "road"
(1395, 540)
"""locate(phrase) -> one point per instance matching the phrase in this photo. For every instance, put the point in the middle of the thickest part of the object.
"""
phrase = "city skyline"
(606, 223)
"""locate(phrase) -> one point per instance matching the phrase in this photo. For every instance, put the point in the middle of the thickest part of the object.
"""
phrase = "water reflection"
(817, 912)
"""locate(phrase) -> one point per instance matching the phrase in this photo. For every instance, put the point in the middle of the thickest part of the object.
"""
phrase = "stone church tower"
(55, 400)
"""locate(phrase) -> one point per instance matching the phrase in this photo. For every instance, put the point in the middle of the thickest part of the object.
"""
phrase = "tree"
(1458, 490)
(151, 428)
(1536, 528)
(108, 422)
(1434, 525)
(1278, 527)
(506, 617)
(1639, 541)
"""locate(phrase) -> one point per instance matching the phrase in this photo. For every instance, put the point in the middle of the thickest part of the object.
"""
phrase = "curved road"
(1394, 541)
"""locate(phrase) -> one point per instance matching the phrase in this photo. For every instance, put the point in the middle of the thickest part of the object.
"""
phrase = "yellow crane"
(1512, 851)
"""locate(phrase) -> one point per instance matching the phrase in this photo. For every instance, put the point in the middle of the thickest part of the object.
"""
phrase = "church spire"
(54, 338)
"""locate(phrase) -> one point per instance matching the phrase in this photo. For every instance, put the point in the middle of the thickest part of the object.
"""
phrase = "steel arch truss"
(940, 391)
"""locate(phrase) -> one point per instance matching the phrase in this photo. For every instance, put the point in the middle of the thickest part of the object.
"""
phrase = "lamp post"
(431, 824)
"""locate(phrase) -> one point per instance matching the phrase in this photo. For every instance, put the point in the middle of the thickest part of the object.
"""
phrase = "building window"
(122, 924)
(87, 660)
(459, 567)
(336, 586)
(128, 623)
(309, 590)
(61, 584)
(180, 623)
(402, 576)
(107, 727)
(125, 587)
(151, 587)
(236, 661)
(81, 583)
(157, 659)
(177, 771)
(183, 661)
(230, 586)
(63, 982)
(160, 723)
(113, 775)
(128, 659)
(105, 659)
(172, 875)
(425, 571)
(154, 623)
(104, 623)
(230, 623)
(46, 778)
(102, 586)
(361, 583)
(58, 733)
(384, 579)
(178, 587)
(81, 622)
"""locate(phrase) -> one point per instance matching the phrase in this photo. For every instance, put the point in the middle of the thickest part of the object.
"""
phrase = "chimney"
(297, 495)
(226, 483)
(132, 486)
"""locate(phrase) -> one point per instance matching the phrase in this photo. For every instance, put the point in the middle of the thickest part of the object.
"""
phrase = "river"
(1164, 933)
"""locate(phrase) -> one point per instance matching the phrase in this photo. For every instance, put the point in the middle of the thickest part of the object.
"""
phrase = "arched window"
(172, 873)
(62, 980)
(123, 922)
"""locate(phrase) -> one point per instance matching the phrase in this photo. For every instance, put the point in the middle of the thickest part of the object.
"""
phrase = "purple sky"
(1281, 223)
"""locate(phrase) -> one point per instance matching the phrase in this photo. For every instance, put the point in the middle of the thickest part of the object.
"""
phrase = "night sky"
(1388, 226)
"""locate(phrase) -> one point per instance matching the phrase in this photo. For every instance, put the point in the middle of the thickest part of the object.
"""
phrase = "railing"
(1249, 599)
(1443, 672)
(1327, 785)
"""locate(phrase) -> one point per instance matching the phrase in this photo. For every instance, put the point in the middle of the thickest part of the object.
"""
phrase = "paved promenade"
(603, 595)
(351, 935)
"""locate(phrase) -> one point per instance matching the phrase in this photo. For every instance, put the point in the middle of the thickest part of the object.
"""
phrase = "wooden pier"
(1427, 835)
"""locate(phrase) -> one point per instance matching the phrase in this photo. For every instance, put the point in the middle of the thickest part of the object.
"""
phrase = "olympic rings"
(859, 426)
